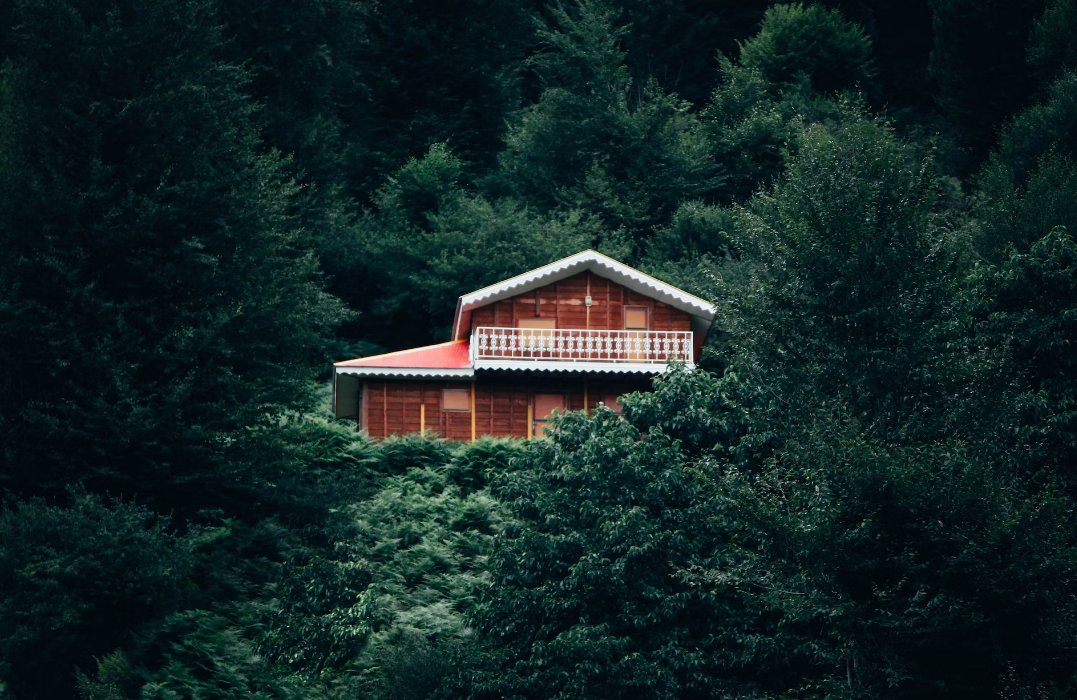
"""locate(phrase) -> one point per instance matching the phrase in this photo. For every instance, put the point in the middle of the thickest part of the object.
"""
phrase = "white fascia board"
(601, 265)
(465, 373)
(651, 368)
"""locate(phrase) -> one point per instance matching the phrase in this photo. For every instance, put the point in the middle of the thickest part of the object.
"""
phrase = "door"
(537, 336)
(544, 405)
(636, 340)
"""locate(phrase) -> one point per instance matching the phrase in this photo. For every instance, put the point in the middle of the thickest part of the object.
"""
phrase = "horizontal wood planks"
(565, 301)
(393, 407)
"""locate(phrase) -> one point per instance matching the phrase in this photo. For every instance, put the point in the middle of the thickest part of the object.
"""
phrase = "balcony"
(575, 349)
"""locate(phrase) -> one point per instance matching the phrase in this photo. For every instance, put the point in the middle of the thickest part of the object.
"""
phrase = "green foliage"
(418, 251)
(1032, 135)
(158, 287)
(386, 605)
(1026, 304)
(910, 572)
(813, 44)
(1015, 218)
(474, 463)
(1054, 46)
(398, 453)
(587, 601)
(197, 655)
(871, 497)
(748, 127)
(587, 143)
(847, 267)
(695, 229)
(74, 580)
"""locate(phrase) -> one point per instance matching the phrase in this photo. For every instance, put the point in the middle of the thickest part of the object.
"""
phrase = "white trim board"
(405, 372)
(650, 368)
(702, 311)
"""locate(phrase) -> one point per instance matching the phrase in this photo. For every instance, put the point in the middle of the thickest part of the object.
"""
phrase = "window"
(536, 323)
(455, 400)
(537, 334)
(636, 318)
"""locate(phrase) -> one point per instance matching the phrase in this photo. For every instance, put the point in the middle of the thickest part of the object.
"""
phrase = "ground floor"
(500, 406)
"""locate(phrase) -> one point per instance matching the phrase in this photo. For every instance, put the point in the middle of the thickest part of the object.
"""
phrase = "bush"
(474, 462)
(398, 453)
(73, 580)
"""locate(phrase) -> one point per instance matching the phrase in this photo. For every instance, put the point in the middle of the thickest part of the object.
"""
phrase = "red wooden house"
(567, 336)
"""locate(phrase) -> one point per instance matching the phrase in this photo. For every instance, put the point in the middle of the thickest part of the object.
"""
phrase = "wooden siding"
(564, 301)
(393, 407)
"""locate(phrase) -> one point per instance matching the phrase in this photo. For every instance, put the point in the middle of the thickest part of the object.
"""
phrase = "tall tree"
(591, 142)
(159, 296)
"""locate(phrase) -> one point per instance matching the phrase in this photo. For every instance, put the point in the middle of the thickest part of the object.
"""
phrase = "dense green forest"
(865, 491)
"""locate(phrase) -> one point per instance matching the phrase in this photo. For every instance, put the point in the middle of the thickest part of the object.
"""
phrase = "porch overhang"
(560, 366)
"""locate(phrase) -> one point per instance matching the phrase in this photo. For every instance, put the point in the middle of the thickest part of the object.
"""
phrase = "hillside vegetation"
(865, 491)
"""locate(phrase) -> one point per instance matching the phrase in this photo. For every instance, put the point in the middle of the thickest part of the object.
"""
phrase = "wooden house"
(567, 336)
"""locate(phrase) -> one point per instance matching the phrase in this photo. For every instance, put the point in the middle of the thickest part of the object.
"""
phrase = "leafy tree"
(436, 72)
(847, 273)
(74, 580)
(432, 240)
(589, 143)
(813, 44)
(1054, 48)
(749, 129)
(1025, 305)
(927, 571)
(674, 41)
(407, 566)
(157, 287)
(1044, 130)
(587, 601)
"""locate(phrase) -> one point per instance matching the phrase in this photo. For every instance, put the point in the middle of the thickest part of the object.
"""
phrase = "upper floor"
(585, 313)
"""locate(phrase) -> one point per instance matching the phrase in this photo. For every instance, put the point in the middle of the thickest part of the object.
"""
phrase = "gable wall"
(564, 301)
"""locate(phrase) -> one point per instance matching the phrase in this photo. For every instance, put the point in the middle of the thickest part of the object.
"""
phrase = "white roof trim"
(650, 368)
(601, 265)
(424, 372)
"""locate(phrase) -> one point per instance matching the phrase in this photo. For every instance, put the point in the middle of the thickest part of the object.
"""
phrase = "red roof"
(451, 355)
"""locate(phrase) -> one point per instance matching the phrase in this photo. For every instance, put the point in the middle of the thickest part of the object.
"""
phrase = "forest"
(864, 490)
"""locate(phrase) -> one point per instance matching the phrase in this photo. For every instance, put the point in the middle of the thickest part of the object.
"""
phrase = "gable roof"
(701, 311)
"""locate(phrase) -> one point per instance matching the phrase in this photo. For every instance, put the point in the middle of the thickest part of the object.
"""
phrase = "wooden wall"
(393, 407)
(564, 301)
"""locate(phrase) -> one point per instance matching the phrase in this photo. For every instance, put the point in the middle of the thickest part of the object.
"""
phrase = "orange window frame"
(646, 318)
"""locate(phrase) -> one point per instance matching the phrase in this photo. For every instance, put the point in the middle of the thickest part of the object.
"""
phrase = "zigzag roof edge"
(586, 259)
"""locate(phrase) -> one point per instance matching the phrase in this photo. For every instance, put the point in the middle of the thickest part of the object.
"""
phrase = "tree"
(846, 282)
(587, 601)
(74, 581)
(1054, 48)
(813, 44)
(433, 238)
(159, 295)
(589, 143)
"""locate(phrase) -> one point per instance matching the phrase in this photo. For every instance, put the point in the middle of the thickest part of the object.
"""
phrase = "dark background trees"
(203, 202)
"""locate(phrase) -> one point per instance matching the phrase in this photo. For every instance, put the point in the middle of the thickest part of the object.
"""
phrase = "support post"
(473, 411)
(586, 408)
(422, 418)
(530, 421)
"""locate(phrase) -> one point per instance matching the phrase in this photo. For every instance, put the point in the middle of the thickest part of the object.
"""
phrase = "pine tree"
(158, 295)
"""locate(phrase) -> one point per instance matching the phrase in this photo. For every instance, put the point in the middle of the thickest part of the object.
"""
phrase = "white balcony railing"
(492, 346)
